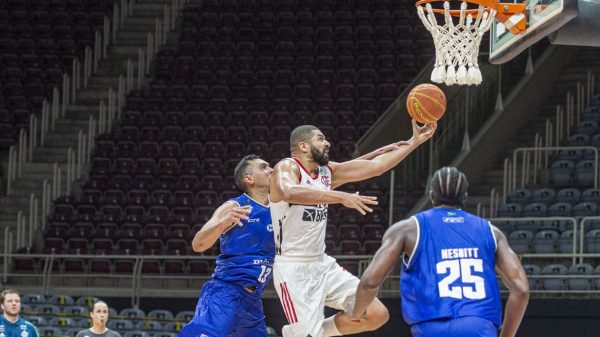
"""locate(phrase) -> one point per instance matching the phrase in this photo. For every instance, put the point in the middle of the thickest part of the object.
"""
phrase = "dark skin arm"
(514, 278)
(398, 239)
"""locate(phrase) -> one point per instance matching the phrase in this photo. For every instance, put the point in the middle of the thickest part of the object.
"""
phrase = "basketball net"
(457, 46)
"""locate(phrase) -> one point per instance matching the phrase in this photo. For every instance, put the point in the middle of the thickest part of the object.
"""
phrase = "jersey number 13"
(461, 269)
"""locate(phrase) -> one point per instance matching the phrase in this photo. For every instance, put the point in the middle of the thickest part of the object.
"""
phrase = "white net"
(457, 46)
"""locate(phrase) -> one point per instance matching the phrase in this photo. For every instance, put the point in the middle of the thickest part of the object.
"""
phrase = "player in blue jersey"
(229, 303)
(11, 324)
(448, 281)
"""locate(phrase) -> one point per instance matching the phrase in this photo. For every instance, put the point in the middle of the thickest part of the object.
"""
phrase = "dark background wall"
(544, 317)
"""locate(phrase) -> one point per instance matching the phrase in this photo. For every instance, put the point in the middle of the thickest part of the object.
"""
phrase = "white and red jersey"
(300, 229)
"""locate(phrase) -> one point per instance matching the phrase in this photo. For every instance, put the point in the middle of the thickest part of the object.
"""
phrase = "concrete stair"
(130, 38)
(574, 72)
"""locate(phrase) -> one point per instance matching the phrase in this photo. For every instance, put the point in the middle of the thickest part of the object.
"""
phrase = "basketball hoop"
(457, 45)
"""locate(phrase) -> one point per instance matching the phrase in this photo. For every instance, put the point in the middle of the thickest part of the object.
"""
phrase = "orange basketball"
(426, 103)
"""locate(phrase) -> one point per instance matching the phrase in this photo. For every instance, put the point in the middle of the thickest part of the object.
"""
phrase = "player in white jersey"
(306, 279)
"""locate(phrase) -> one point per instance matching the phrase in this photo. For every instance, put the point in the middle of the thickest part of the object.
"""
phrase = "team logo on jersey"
(326, 181)
(453, 219)
(24, 333)
(313, 214)
(2, 334)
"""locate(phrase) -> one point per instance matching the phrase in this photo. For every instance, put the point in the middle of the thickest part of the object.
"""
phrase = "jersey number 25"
(461, 268)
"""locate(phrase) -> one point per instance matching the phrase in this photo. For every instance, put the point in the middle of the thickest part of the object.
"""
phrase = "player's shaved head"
(303, 133)
(449, 187)
(241, 169)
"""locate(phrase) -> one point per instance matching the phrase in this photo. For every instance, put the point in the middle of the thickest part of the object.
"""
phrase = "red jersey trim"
(316, 175)
(330, 170)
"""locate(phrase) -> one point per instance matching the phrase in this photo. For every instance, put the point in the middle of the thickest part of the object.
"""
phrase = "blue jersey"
(248, 251)
(21, 328)
(451, 273)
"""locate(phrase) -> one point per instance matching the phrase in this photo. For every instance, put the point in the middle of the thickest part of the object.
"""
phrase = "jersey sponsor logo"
(270, 228)
(326, 181)
(262, 261)
(314, 214)
(448, 219)
(252, 220)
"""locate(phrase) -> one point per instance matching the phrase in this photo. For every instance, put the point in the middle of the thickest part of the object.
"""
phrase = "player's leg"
(251, 318)
(340, 292)
(457, 327)
(215, 313)
(300, 290)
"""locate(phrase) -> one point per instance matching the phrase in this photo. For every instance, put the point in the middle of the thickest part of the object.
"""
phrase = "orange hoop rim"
(456, 12)
(504, 12)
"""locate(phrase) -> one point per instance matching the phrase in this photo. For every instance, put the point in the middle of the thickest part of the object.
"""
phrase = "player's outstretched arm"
(384, 260)
(512, 274)
(361, 169)
(224, 217)
(284, 186)
(384, 149)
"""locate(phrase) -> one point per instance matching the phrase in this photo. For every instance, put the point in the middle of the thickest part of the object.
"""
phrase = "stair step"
(104, 82)
(64, 126)
(124, 52)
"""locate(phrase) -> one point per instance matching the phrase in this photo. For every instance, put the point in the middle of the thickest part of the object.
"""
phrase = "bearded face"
(321, 157)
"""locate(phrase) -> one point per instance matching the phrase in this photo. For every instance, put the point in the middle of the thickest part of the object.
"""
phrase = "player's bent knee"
(376, 316)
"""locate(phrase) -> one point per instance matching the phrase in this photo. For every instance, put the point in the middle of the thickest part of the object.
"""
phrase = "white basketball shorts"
(305, 286)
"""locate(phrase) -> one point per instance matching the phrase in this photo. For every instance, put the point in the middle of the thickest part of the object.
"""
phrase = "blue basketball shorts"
(458, 327)
(226, 310)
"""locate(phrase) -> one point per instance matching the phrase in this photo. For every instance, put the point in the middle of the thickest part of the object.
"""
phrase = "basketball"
(426, 103)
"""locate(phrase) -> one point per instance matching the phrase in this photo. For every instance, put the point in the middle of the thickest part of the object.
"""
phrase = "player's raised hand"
(422, 133)
(235, 216)
(359, 202)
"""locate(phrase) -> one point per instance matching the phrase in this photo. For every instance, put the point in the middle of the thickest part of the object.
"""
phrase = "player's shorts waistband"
(285, 258)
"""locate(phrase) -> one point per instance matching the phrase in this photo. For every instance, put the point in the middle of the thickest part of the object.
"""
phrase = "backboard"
(543, 18)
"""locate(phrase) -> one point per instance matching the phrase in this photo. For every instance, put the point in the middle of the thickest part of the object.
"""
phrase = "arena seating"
(570, 193)
(62, 315)
(38, 42)
(242, 76)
